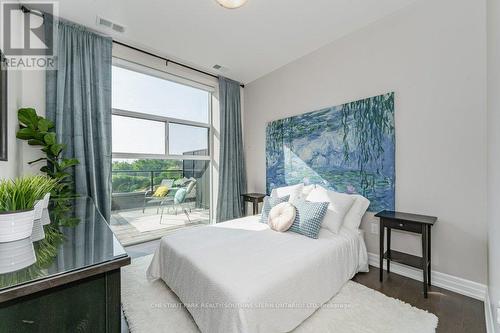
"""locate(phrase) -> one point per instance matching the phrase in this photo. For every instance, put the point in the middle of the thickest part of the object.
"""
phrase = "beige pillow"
(281, 216)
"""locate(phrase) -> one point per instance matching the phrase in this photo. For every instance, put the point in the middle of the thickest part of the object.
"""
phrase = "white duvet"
(240, 276)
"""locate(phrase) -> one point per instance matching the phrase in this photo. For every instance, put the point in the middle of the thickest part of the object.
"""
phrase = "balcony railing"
(127, 181)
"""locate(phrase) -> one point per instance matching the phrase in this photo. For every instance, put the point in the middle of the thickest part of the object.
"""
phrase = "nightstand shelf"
(405, 259)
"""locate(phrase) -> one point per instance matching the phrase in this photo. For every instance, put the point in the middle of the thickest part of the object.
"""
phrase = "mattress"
(241, 276)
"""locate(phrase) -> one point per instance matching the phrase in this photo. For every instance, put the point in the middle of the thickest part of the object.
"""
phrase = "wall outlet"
(374, 228)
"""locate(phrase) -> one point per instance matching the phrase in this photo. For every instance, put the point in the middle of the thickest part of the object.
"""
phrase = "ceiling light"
(231, 4)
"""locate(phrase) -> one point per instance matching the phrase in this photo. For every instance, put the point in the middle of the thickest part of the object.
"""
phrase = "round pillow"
(281, 216)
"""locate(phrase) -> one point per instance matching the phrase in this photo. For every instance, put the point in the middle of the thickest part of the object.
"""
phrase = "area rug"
(153, 307)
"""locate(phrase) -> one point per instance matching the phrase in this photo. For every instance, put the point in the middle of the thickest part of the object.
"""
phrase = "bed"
(241, 276)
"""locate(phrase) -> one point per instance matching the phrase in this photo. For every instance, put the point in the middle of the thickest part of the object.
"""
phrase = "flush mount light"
(231, 4)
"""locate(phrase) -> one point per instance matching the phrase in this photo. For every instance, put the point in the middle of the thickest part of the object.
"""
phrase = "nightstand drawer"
(402, 225)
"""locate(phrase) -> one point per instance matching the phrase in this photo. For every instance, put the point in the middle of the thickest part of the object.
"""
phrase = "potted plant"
(18, 198)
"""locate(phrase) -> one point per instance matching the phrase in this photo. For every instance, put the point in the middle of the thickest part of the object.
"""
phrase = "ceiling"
(248, 42)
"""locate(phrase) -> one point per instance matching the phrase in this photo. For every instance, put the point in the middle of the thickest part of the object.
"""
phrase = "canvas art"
(348, 148)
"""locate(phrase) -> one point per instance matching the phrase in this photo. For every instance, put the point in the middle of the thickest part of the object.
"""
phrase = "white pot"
(46, 200)
(37, 233)
(38, 209)
(15, 226)
(16, 255)
(45, 217)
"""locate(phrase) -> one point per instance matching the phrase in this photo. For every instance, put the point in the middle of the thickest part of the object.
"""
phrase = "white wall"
(494, 156)
(432, 54)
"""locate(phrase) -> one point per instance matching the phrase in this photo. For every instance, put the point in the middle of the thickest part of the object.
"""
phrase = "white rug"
(152, 307)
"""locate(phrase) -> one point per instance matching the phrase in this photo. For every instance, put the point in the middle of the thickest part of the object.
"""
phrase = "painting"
(348, 148)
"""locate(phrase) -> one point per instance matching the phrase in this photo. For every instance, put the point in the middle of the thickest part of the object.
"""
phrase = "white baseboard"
(442, 280)
(488, 315)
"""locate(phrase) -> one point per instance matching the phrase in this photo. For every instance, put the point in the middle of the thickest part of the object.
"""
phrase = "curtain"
(232, 174)
(78, 101)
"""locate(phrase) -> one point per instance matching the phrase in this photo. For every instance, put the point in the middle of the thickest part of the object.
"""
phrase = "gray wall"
(433, 55)
(494, 155)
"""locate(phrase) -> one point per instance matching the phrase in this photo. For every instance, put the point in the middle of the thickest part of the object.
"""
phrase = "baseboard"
(442, 280)
(488, 315)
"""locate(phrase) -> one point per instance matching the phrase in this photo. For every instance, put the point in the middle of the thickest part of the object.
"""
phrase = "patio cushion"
(180, 195)
(161, 191)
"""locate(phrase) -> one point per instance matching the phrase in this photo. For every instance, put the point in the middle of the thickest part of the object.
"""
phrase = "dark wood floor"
(456, 313)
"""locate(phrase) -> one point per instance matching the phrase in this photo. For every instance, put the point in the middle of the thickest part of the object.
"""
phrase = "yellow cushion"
(161, 191)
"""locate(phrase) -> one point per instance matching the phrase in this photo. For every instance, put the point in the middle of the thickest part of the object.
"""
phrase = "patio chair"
(179, 199)
(151, 198)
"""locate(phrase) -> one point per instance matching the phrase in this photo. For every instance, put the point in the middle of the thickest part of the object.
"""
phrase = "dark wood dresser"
(69, 281)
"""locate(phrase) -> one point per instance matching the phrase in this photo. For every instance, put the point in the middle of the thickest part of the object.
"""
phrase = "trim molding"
(488, 315)
(442, 280)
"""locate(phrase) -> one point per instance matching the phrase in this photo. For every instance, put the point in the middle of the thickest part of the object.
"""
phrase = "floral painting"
(348, 148)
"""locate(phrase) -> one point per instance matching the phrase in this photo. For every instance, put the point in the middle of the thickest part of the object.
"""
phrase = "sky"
(133, 91)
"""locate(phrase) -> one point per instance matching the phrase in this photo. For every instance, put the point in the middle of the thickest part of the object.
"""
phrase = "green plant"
(38, 131)
(22, 193)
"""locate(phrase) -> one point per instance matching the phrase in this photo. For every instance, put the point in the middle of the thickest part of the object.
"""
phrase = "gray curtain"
(78, 101)
(232, 174)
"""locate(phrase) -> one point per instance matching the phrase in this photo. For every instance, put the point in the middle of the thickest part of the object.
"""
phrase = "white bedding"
(240, 276)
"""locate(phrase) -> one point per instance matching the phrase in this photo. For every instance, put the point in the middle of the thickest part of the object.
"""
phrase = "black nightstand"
(420, 224)
(254, 198)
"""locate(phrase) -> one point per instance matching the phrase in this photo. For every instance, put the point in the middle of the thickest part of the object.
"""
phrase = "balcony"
(138, 215)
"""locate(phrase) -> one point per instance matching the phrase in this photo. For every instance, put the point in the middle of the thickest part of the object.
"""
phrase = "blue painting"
(348, 148)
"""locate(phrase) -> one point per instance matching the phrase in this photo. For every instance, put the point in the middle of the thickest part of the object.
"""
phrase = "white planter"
(37, 233)
(45, 213)
(46, 200)
(15, 226)
(45, 217)
(16, 255)
(38, 209)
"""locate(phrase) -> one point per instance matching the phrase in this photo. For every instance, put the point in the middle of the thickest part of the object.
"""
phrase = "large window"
(161, 138)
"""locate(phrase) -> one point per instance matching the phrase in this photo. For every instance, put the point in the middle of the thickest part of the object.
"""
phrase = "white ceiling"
(249, 42)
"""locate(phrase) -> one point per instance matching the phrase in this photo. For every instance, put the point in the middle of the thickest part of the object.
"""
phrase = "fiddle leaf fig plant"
(38, 131)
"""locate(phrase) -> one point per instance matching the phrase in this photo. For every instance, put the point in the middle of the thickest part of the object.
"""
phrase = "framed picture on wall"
(3, 111)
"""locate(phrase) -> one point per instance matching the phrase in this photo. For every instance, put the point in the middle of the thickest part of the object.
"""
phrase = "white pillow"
(337, 209)
(307, 189)
(353, 218)
(281, 216)
(294, 191)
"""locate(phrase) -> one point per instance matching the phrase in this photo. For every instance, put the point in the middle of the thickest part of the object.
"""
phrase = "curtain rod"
(26, 10)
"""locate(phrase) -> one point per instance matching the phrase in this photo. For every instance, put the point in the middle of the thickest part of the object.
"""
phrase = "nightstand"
(419, 224)
(254, 198)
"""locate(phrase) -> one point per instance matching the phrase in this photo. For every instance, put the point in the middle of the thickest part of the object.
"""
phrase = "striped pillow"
(269, 203)
(309, 217)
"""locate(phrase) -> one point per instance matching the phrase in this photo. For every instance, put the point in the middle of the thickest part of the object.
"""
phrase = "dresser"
(69, 280)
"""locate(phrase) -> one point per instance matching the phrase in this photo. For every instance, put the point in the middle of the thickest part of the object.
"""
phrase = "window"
(148, 136)
(187, 140)
(161, 133)
(134, 91)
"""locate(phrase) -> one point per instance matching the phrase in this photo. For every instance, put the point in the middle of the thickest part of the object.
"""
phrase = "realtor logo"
(27, 37)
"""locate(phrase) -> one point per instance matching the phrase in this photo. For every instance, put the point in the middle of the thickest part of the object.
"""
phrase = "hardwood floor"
(456, 313)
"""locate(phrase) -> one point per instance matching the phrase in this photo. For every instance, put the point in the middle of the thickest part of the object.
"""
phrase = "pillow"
(339, 205)
(281, 216)
(309, 216)
(294, 191)
(353, 217)
(161, 191)
(269, 203)
(307, 189)
(180, 195)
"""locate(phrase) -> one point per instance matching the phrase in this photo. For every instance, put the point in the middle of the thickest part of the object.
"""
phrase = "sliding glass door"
(161, 170)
